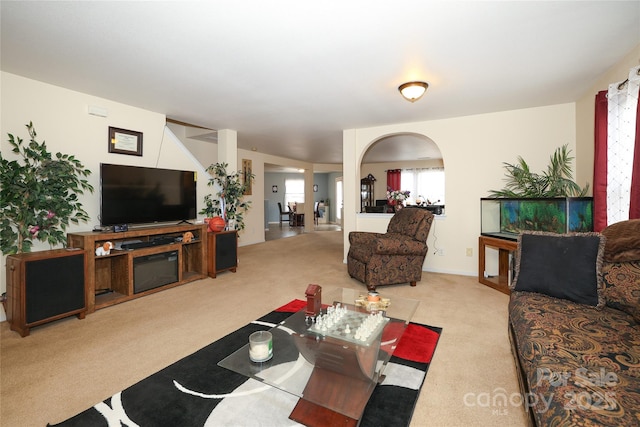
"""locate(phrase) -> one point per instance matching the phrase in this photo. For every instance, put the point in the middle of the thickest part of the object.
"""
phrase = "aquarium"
(506, 218)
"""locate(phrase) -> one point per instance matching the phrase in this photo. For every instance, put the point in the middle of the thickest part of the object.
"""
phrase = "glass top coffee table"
(333, 362)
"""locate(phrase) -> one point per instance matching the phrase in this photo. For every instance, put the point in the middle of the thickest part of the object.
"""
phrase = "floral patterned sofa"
(393, 257)
(578, 357)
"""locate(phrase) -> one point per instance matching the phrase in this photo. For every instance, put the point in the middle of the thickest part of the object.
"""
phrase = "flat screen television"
(140, 195)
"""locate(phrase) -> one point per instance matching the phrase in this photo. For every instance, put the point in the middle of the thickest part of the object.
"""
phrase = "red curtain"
(600, 166)
(393, 179)
(600, 163)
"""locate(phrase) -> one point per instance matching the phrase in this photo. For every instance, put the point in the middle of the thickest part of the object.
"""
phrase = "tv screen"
(139, 195)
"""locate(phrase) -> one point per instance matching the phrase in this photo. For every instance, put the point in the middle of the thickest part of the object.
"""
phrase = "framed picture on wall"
(246, 175)
(123, 141)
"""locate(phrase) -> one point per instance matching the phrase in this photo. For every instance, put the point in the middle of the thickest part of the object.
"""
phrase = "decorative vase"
(398, 206)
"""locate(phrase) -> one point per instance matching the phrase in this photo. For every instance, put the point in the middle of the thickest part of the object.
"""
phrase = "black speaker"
(44, 286)
(226, 251)
(54, 286)
(222, 252)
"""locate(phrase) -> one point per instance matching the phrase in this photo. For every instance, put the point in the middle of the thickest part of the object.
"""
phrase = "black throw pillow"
(563, 266)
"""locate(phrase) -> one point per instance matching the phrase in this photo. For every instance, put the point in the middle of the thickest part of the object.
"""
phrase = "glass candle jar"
(260, 346)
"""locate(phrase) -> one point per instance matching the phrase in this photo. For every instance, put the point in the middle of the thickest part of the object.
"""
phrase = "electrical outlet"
(440, 252)
(469, 251)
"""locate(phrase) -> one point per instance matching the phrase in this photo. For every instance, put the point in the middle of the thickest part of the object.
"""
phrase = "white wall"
(473, 149)
(254, 218)
(205, 152)
(60, 118)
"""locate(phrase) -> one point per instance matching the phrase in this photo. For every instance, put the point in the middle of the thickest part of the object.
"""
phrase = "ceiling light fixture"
(412, 91)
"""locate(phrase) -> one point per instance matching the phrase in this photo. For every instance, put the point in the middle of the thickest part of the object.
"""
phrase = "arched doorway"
(414, 154)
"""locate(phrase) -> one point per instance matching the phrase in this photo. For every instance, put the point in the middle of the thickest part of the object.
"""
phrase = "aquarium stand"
(505, 248)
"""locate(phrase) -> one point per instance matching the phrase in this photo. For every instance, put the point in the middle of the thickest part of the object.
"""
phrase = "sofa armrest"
(363, 238)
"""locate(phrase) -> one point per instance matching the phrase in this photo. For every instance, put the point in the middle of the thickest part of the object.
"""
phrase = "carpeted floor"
(64, 367)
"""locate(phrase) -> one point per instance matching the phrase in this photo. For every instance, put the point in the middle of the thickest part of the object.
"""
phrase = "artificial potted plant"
(556, 181)
(228, 201)
(39, 195)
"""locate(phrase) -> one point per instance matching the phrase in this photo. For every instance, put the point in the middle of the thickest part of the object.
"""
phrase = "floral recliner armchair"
(393, 257)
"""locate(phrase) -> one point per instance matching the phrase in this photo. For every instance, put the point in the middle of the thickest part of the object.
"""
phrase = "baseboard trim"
(454, 272)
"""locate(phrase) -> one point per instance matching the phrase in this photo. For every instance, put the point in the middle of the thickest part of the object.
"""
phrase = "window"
(293, 191)
(428, 184)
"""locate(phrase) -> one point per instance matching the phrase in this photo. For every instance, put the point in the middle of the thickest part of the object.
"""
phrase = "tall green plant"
(230, 196)
(556, 181)
(39, 195)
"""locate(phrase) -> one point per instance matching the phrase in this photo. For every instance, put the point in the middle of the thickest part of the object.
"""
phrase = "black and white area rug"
(195, 391)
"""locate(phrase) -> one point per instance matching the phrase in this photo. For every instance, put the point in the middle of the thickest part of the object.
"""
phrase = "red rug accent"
(417, 344)
(293, 306)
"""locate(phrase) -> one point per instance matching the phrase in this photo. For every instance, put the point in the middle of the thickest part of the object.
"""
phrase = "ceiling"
(289, 76)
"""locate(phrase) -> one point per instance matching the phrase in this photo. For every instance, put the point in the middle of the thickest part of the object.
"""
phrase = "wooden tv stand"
(110, 278)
